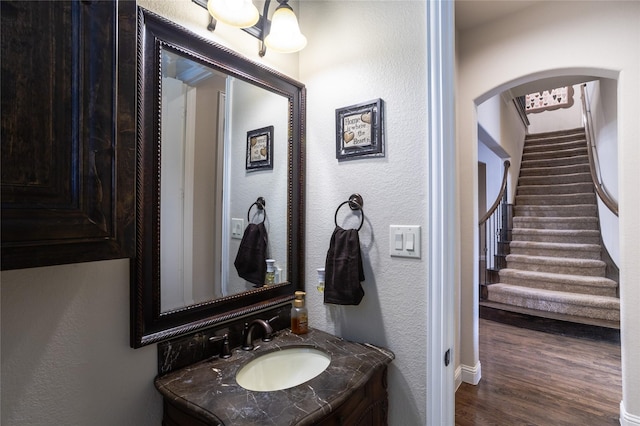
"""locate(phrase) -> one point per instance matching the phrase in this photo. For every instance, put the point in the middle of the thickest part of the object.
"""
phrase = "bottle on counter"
(299, 315)
(270, 277)
(320, 285)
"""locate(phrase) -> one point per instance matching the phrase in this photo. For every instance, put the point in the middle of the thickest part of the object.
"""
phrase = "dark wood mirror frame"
(148, 324)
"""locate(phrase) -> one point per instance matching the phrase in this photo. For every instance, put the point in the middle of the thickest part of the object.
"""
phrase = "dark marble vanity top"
(208, 389)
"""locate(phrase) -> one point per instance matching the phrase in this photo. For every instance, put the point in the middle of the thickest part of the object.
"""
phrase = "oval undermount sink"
(282, 369)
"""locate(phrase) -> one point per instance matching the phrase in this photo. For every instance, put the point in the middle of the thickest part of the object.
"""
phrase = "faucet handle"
(225, 352)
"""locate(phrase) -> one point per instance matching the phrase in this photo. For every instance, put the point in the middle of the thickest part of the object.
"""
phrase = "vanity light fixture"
(281, 34)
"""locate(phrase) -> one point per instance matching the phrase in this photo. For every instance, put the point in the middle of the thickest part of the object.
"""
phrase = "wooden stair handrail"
(600, 190)
(503, 188)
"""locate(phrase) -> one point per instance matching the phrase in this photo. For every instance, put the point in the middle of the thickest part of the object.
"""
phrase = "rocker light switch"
(404, 241)
(399, 240)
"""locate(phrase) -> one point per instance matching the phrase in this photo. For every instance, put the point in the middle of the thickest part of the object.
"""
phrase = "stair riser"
(571, 224)
(557, 136)
(555, 162)
(560, 253)
(553, 139)
(572, 188)
(556, 211)
(554, 179)
(549, 238)
(558, 269)
(561, 146)
(556, 200)
(557, 307)
(549, 170)
(555, 154)
(570, 288)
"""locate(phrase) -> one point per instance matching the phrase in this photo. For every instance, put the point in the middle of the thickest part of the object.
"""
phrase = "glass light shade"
(237, 13)
(285, 35)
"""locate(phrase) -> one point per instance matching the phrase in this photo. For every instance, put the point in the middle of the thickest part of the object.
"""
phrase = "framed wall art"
(360, 130)
(260, 149)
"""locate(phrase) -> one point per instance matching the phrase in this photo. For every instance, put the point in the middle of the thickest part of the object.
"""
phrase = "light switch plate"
(409, 235)
(237, 228)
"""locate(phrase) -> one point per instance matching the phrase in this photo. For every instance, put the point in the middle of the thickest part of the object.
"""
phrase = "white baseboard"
(471, 375)
(628, 419)
(458, 377)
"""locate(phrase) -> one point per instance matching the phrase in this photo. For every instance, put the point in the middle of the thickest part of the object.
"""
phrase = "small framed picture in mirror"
(359, 130)
(260, 149)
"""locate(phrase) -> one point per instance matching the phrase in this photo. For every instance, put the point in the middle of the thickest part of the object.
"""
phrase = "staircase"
(555, 267)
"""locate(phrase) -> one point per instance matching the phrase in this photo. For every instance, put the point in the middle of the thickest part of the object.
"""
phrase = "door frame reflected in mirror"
(148, 323)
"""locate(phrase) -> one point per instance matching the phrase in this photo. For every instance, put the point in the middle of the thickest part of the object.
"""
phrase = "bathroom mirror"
(201, 109)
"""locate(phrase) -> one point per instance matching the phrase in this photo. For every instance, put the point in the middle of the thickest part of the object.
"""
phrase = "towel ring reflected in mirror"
(260, 204)
(355, 202)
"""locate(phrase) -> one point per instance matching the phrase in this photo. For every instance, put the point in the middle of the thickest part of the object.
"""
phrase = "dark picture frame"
(360, 130)
(260, 149)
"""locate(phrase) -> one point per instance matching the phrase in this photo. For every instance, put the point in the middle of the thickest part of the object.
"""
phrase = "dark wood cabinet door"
(68, 131)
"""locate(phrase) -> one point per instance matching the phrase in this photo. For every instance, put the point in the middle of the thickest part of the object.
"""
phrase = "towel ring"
(260, 203)
(355, 202)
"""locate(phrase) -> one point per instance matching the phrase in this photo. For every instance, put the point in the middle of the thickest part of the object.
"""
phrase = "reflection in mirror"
(197, 103)
(190, 181)
(253, 108)
(193, 144)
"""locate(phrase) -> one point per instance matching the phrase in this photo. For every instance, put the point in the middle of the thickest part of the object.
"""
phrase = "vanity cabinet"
(68, 131)
(367, 406)
(351, 391)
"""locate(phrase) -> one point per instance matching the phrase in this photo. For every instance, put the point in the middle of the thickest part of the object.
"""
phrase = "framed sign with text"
(360, 130)
(260, 149)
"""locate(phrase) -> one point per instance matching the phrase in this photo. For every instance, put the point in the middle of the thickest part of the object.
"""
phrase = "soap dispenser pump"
(299, 315)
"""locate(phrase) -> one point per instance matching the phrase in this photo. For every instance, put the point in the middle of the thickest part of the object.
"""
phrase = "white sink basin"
(282, 369)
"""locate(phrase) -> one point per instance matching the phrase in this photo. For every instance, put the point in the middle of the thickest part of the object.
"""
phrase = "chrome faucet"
(247, 341)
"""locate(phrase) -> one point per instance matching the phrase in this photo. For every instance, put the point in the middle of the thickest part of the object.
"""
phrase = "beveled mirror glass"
(202, 110)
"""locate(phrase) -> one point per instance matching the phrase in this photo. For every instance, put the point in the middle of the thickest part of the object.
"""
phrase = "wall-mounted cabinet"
(68, 131)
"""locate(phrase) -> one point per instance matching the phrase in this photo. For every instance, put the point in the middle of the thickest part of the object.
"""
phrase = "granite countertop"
(209, 389)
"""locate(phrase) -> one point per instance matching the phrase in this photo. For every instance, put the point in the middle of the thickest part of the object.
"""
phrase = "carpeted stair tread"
(578, 210)
(554, 171)
(551, 179)
(556, 153)
(558, 278)
(559, 265)
(603, 307)
(556, 188)
(572, 250)
(560, 146)
(566, 223)
(579, 236)
(556, 199)
(555, 162)
(600, 286)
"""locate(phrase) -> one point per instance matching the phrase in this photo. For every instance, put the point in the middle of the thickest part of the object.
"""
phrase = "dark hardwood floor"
(535, 378)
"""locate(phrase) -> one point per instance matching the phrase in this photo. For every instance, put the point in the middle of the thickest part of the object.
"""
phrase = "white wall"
(66, 358)
(603, 98)
(65, 329)
(584, 28)
(359, 51)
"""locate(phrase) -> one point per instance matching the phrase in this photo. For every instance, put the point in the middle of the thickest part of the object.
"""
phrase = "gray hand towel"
(343, 269)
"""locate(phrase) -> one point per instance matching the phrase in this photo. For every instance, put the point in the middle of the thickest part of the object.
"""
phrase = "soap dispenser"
(299, 315)
(270, 277)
